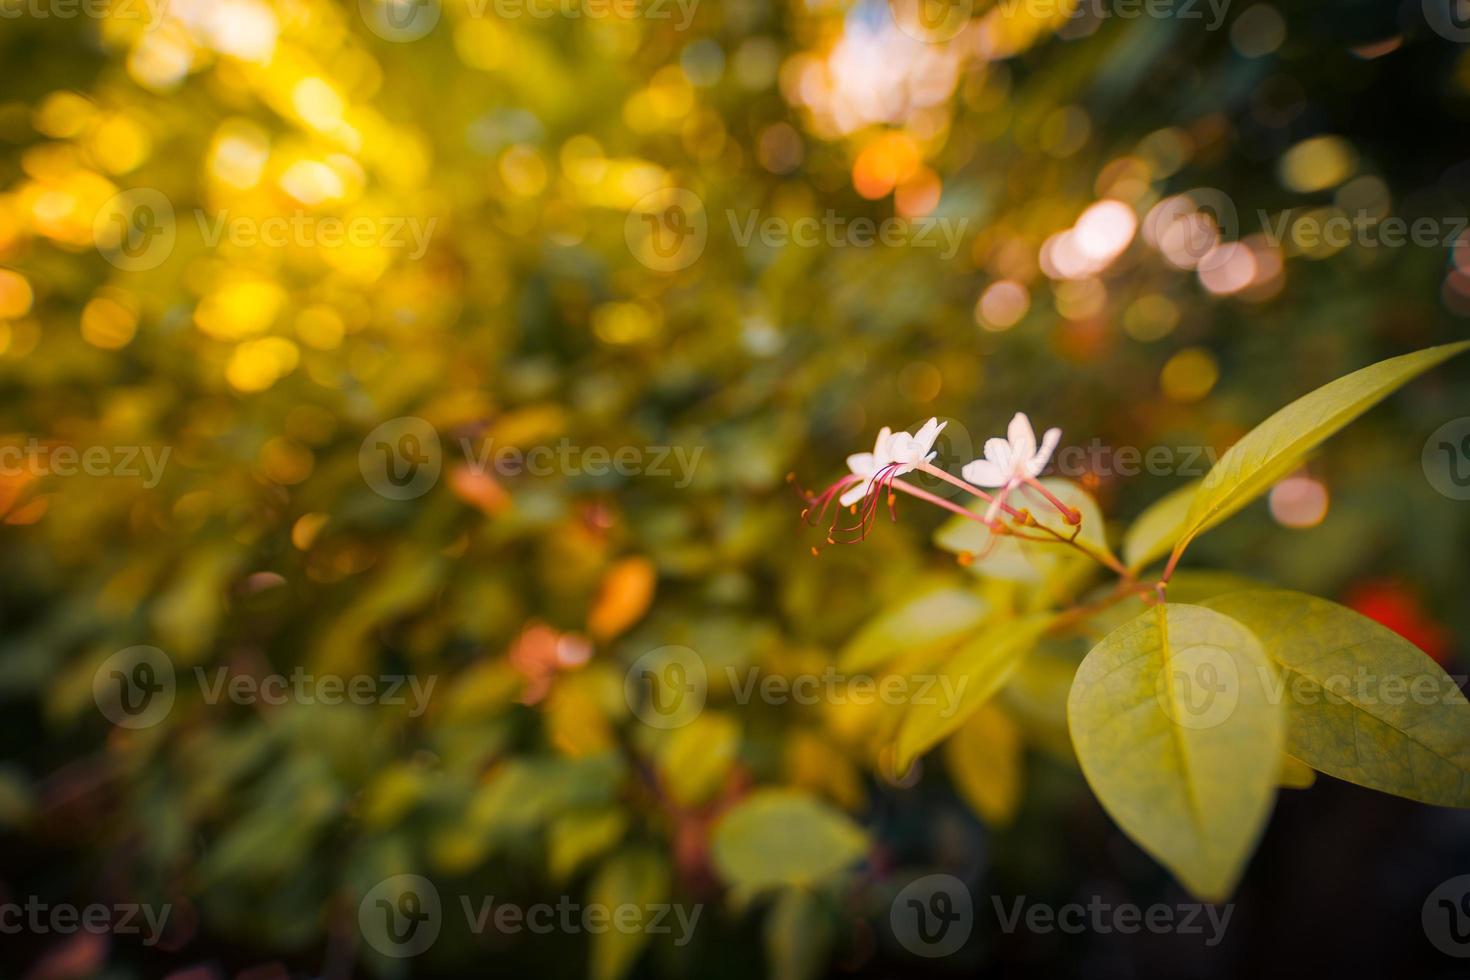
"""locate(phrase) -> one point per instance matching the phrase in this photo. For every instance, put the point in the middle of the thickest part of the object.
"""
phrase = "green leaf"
(777, 837)
(930, 619)
(526, 792)
(1177, 737)
(634, 877)
(983, 759)
(695, 759)
(1036, 695)
(1190, 586)
(1296, 774)
(798, 936)
(966, 681)
(575, 838)
(1157, 529)
(1363, 703)
(1278, 445)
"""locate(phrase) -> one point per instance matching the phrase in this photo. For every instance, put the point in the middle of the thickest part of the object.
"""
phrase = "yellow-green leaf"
(927, 620)
(1157, 529)
(1296, 774)
(1363, 703)
(965, 682)
(798, 936)
(1036, 696)
(1190, 586)
(777, 837)
(636, 877)
(1177, 737)
(575, 838)
(694, 760)
(1278, 445)
(983, 759)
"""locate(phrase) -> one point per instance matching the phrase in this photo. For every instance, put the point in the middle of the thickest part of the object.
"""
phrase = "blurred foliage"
(527, 320)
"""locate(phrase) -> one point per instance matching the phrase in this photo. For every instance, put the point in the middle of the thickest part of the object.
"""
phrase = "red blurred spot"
(196, 973)
(83, 955)
(1389, 602)
(478, 489)
(540, 652)
(267, 971)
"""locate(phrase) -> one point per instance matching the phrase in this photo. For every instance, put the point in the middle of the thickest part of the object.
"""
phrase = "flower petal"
(926, 435)
(856, 493)
(1038, 462)
(1021, 436)
(880, 445)
(998, 451)
(863, 464)
(902, 448)
(984, 473)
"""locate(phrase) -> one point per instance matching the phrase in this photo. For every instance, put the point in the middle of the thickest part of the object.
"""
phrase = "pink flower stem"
(1173, 562)
(928, 497)
(935, 471)
(1025, 519)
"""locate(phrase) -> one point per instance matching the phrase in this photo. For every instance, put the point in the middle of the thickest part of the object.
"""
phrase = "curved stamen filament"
(822, 501)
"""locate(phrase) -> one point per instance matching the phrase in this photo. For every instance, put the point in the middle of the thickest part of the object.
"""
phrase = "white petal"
(880, 445)
(998, 451)
(902, 448)
(863, 464)
(984, 473)
(1021, 436)
(856, 493)
(1043, 455)
(926, 435)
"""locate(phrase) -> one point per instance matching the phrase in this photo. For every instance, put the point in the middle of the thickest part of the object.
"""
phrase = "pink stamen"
(1000, 503)
(820, 503)
(868, 514)
(867, 511)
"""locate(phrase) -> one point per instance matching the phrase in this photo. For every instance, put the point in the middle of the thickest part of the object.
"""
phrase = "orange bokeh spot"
(885, 163)
(919, 194)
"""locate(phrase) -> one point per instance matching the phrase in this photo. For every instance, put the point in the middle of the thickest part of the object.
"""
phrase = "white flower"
(891, 447)
(911, 450)
(867, 465)
(1014, 459)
